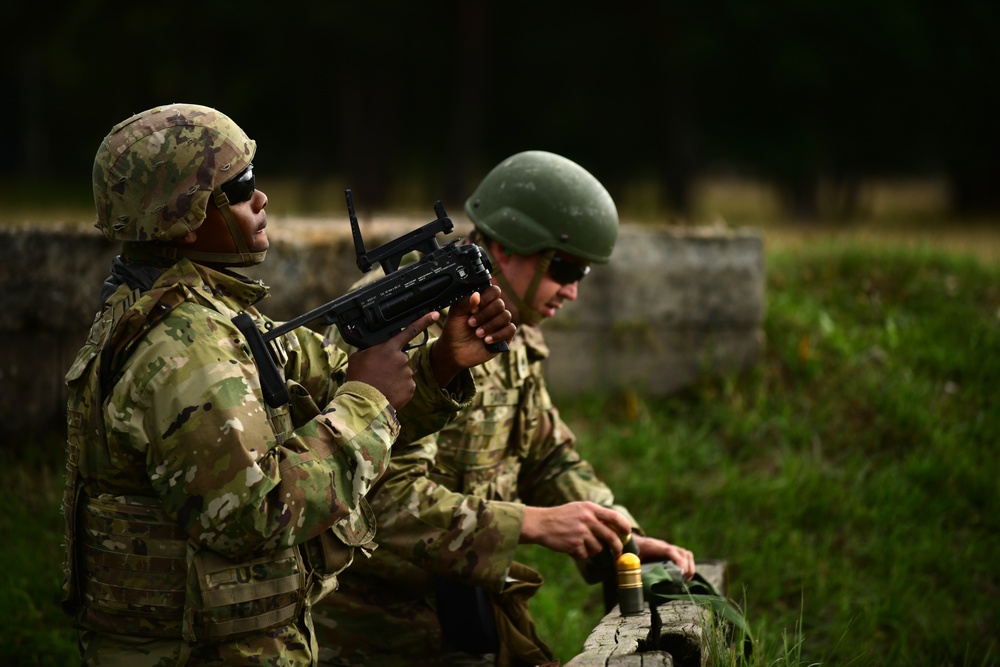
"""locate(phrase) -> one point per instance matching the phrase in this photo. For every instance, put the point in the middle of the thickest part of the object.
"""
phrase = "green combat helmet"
(155, 173)
(537, 201)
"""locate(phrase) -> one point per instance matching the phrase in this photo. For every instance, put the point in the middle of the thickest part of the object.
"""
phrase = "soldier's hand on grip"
(473, 323)
(386, 366)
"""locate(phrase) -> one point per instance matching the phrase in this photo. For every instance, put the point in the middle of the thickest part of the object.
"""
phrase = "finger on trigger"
(415, 328)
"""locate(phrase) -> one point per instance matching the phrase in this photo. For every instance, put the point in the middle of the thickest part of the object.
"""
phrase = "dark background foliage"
(429, 95)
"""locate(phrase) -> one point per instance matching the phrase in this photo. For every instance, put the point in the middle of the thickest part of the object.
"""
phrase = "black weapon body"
(372, 314)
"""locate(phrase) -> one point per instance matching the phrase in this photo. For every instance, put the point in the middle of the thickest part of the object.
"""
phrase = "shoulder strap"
(133, 317)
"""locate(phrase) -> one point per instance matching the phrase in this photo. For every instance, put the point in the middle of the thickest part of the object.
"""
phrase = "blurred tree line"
(434, 93)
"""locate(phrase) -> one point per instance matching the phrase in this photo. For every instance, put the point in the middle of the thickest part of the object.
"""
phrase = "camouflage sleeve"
(190, 402)
(446, 533)
(553, 473)
(432, 406)
(315, 363)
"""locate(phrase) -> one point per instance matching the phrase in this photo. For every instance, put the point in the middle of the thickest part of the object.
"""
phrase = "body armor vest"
(130, 568)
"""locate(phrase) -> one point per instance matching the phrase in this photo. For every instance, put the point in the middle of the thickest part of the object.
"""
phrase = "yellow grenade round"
(629, 572)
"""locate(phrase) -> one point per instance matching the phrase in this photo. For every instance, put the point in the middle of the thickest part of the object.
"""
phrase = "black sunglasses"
(565, 271)
(240, 188)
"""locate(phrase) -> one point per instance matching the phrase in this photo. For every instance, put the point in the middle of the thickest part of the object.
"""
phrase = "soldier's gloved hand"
(386, 367)
(479, 320)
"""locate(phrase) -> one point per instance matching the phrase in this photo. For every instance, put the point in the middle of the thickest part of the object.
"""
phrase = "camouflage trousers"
(355, 631)
(287, 646)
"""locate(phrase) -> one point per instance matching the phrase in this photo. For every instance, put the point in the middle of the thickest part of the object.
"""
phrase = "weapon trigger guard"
(423, 341)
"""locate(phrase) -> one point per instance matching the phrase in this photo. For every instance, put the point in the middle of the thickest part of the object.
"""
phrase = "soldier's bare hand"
(472, 324)
(386, 366)
(580, 529)
(652, 550)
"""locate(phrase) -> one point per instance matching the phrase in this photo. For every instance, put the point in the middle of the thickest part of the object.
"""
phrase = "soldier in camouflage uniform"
(453, 507)
(202, 525)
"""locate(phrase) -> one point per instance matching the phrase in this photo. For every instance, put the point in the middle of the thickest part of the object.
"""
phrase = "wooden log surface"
(675, 637)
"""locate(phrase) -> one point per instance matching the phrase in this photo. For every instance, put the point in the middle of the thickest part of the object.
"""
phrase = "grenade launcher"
(376, 312)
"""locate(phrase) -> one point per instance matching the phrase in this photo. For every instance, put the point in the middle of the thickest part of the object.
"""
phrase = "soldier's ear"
(501, 254)
(188, 238)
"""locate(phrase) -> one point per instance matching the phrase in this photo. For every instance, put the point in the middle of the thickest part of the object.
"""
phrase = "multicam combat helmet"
(155, 173)
(537, 200)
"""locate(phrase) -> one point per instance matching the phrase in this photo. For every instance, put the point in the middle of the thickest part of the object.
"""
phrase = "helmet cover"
(154, 173)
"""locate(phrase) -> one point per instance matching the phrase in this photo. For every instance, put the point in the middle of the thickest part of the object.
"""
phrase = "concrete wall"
(674, 303)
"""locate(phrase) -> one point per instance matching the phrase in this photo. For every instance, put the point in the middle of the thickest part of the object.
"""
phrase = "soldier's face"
(551, 294)
(213, 235)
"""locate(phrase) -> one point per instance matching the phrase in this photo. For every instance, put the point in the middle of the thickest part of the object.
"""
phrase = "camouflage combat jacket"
(451, 505)
(202, 524)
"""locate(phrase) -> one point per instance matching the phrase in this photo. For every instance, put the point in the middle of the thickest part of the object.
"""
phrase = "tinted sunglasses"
(240, 188)
(565, 271)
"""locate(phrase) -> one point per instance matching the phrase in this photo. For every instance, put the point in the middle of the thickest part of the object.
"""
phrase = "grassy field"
(848, 478)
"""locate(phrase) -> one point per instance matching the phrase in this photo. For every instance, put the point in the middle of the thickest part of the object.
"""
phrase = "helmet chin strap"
(244, 257)
(526, 313)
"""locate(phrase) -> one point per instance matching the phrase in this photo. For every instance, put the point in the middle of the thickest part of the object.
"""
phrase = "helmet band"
(526, 314)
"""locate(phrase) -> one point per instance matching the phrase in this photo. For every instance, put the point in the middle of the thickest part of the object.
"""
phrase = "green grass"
(849, 478)
(36, 632)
